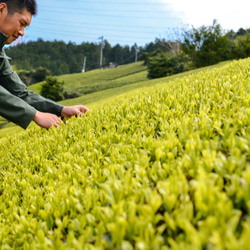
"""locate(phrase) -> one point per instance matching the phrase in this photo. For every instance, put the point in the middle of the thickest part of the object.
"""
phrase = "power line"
(115, 27)
(85, 22)
(64, 10)
(101, 28)
(142, 3)
(79, 21)
(89, 35)
(119, 16)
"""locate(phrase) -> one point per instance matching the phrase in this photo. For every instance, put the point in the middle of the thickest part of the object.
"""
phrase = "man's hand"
(46, 120)
(69, 111)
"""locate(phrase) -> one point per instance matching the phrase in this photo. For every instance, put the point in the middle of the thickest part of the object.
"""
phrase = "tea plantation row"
(166, 167)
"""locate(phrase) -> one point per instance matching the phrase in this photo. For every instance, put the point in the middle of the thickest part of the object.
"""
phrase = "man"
(17, 104)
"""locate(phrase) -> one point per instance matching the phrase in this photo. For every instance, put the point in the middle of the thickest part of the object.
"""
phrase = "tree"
(53, 89)
(207, 45)
(164, 64)
(116, 54)
(40, 74)
(241, 32)
(242, 46)
(33, 76)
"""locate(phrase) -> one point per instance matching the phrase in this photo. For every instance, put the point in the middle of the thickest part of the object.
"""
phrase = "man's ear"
(3, 7)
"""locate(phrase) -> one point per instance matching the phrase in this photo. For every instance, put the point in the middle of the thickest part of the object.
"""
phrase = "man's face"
(14, 25)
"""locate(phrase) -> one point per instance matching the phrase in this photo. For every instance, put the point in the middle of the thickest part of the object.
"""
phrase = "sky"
(130, 22)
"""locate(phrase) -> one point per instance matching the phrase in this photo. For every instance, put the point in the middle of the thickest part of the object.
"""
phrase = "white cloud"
(230, 14)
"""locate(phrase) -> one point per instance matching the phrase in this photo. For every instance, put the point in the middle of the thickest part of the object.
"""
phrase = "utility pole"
(84, 65)
(136, 52)
(102, 45)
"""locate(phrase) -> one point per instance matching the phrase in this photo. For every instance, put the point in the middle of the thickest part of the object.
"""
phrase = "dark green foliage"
(198, 48)
(53, 89)
(242, 46)
(242, 32)
(25, 76)
(61, 58)
(164, 64)
(207, 45)
(157, 45)
(40, 74)
(37, 75)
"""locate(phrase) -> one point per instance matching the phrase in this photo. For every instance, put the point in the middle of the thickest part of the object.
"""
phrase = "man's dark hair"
(20, 5)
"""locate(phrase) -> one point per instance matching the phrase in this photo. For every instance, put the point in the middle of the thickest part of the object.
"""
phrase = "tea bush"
(165, 167)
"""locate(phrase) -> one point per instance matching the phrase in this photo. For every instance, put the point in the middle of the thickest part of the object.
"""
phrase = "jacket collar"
(3, 39)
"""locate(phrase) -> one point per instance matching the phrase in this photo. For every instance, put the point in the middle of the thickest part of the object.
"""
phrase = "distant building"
(110, 66)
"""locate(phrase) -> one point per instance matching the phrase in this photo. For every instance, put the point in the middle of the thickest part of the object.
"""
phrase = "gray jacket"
(17, 104)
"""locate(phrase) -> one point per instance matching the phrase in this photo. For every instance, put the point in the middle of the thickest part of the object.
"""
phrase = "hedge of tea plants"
(166, 167)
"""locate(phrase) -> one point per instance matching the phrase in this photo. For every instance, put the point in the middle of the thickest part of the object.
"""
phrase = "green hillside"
(104, 84)
(165, 166)
(89, 82)
(97, 80)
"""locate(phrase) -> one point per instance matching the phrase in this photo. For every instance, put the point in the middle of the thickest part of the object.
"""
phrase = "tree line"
(38, 58)
(193, 48)
(197, 48)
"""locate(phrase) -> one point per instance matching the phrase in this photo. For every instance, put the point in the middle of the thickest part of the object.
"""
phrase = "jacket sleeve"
(17, 104)
(15, 109)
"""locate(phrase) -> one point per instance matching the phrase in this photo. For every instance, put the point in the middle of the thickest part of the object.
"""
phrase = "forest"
(61, 58)
(191, 49)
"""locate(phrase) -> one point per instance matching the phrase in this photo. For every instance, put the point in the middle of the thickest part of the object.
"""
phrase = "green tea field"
(162, 166)
(97, 86)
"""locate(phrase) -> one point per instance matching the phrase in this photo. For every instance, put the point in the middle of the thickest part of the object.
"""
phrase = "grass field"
(103, 84)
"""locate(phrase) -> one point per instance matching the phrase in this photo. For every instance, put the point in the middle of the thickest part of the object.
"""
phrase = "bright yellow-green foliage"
(165, 167)
(108, 83)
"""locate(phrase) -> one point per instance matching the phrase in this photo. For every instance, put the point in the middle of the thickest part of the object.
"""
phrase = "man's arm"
(21, 106)
(15, 109)
(16, 87)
